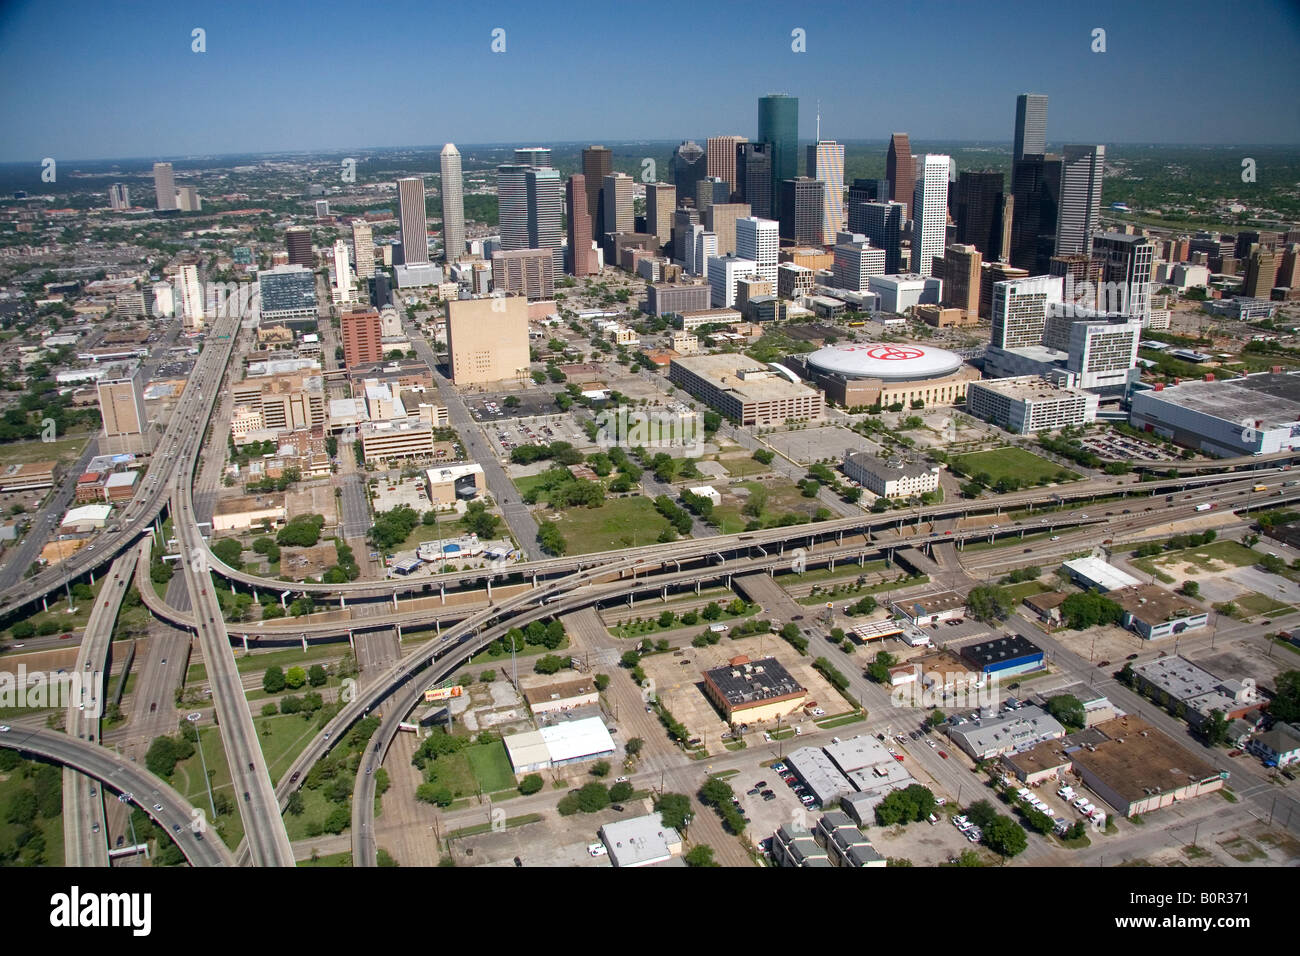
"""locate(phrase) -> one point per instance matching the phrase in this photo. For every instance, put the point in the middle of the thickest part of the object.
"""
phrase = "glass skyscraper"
(778, 124)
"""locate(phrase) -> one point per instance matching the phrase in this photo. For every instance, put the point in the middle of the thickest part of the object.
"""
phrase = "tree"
(674, 810)
(1270, 563)
(316, 675)
(1068, 709)
(1285, 705)
(295, 677)
(878, 670)
(593, 797)
(633, 746)
(530, 784)
(981, 813)
(1216, 729)
(1192, 589)
(1082, 611)
(22, 630)
(1004, 836)
(630, 659)
(700, 855)
(988, 603)
(621, 791)
(550, 538)
(548, 664)
(600, 768)
(601, 681)
(273, 681)
(937, 718)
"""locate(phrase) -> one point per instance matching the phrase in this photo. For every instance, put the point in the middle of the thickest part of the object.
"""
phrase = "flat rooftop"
(747, 379)
(935, 603)
(893, 469)
(1271, 399)
(1105, 576)
(1047, 755)
(1153, 604)
(1137, 760)
(1178, 677)
(1009, 647)
(1028, 389)
(751, 682)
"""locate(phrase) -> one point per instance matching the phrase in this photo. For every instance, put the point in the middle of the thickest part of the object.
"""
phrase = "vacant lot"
(780, 498)
(1012, 463)
(617, 523)
(63, 450)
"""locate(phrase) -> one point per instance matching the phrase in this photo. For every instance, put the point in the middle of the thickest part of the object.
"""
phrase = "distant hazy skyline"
(89, 80)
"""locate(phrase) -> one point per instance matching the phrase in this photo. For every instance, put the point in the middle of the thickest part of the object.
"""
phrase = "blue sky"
(87, 80)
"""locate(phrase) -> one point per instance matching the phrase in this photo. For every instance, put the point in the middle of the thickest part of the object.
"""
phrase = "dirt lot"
(302, 563)
(679, 681)
(316, 497)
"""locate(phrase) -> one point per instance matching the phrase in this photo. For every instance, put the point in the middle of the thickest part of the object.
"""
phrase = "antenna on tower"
(819, 121)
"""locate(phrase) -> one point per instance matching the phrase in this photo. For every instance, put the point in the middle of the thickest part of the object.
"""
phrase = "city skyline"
(100, 107)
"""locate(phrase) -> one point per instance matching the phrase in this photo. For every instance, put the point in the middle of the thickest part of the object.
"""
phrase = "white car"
(1080, 803)
(4, 728)
(1066, 793)
(620, 779)
(597, 849)
(1088, 809)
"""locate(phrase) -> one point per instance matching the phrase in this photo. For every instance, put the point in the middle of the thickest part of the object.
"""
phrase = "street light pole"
(194, 719)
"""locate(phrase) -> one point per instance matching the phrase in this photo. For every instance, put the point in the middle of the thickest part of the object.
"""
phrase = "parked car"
(597, 849)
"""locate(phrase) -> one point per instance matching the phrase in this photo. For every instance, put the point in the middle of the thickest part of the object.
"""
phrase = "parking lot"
(1123, 447)
(806, 445)
(494, 407)
(507, 435)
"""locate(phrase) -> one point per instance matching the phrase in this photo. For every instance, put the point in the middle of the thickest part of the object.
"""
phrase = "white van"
(718, 628)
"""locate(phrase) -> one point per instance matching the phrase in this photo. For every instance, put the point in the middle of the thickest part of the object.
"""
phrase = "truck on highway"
(1260, 488)
(1204, 506)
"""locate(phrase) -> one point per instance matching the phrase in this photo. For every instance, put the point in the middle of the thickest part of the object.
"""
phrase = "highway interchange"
(552, 587)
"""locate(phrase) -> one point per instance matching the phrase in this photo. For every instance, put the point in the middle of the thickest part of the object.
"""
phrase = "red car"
(898, 757)
(1234, 753)
(943, 755)
(66, 637)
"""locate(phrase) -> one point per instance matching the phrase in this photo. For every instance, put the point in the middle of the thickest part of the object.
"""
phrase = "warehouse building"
(558, 745)
(242, 513)
(1153, 613)
(930, 608)
(745, 391)
(545, 696)
(32, 476)
(753, 691)
(1095, 574)
(1004, 656)
(1015, 730)
(640, 841)
(1249, 415)
(1028, 403)
(1137, 769)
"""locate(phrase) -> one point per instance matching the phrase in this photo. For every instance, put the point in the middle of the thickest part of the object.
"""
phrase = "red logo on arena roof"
(894, 353)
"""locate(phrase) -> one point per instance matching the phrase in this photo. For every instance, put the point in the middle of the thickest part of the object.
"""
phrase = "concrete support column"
(245, 643)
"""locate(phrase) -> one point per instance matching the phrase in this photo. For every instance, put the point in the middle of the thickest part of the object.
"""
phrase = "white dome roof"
(889, 361)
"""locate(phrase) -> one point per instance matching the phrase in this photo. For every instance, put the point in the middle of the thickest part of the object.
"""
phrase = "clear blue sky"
(93, 79)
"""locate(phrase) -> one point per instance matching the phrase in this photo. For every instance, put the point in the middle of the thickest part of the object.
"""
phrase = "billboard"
(434, 694)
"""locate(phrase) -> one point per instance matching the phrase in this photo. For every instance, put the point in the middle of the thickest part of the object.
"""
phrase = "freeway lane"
(148, 792)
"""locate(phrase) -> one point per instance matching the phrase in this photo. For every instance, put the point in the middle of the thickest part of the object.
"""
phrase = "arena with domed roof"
(886, 372)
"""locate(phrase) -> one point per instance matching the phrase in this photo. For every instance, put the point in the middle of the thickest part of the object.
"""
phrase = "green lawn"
(617, 523)
(1010, 463)
(188, 780)
(25, 452)
(741, 467)
(843, 572)
(315, 806)
(58, 612)
(1255, 604)
(863, 592)
(1215, 556)
(783, 498)
(491, 766)
(332, 860)
(1018, 592)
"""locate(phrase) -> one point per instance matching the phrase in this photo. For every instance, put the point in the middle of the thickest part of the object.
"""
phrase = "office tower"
(660, 201)
(1126, 272)
(962, 267)
(983, 213)
(1261, 273)
(1103, 351)
(164, 186)
(720, 219)
(759, 241)
(1080, 269)
(597, 163)
(342, 290)
(512, 205)
(826, 162)
(801, 210)
(709, 190)
(619, 213)
(453, 205)
(119, 197)
(581, 256)
(322, 208)
(189, 298)
(487, 340)
(188, 199)
(363, 249)
(882, 224)
(1031, 126)
(683, 219)
(287, 292)
(991, 273)
(526, 272)
(754, 177)
(856, 260)
(778, 125)
(862, 191)
(297, 240)
(1079, 209)
(701, 247)
(362, 332)
(411, 216)
(721, 163)
(1288, 270)
(929, 212)
(724, 272)
(538, 157)
(1020, 310)
(900, 170)
(690, 165)
(1036, 186)
(121, 407)
(545, 211)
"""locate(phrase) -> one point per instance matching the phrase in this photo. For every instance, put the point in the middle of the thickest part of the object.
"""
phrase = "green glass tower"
(778, 124)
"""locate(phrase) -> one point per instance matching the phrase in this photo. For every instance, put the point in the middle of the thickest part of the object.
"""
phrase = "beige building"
(753, 691)
(685, 343)
(121, 406)
(744, 390)
(487, 340)
(286, 401)
(32, 476)
(247, 511)
(548, 696)
(451, 483)
(396, 439)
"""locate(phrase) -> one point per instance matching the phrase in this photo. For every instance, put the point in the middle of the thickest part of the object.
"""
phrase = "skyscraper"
(900, 170)
(778, 125)
(121, 408)
(801, 210)
(362, 334)
(538, 157)
(1020, 310)
(690, 165)
(826, 162)
(683, 219)
(453, 205)
(882, 223)
(545, 210)
(660, 201)
(619, 214)
(758, 240)
(721, 162)
(581, 255)
(1031, 126)
(929, 212)
(342, 291)
(414, 226)
(487, 340)
(512, 205)
(118, 196)
(982, 213)
(754, 177)
(1079, 210)
(720, 219)
(961, 278)
(1036, 186)
(189, 298)
(865, 190)
(1126, 270)
(1261, 273)
(597, 163)
(709, 190)
(363, 249)
(297, 239)
(164, 186)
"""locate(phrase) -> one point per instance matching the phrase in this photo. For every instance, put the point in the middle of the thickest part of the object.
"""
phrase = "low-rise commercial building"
(451, 483)
(1028, 404)
(690, 321)
(992, 736)
(548, 696)
(897, 478)
(929, 608)
(32, 476)
(744, 390)
(640, 841)
(1153, 613)
(748, 691)
(1092, 573)
(246, 511)
(1004, 656)
(558, 745)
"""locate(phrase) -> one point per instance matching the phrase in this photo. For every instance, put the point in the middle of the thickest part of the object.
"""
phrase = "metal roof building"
(640, 841)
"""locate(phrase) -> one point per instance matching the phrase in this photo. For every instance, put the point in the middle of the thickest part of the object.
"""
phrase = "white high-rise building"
(189, 298)
(826, 162)
(164, 185)
(342, 292)
(164, 300)
(856, 260)
(119, 197)
(453, 205)
(1079, 208)
(702, 246)
(414, 225)
(1020, 310)
(363, 249)
(759, 240)
(619, 213)
(724, 272)
(929, 212)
